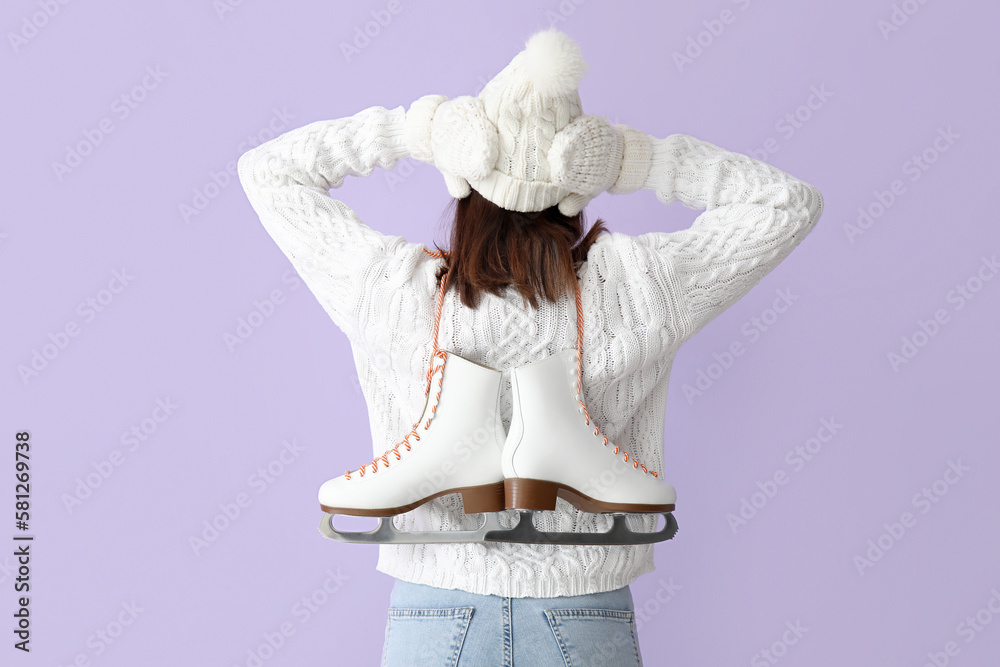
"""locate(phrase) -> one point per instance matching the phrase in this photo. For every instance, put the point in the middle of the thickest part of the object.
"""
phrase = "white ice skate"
(554, 449)
(455, 448)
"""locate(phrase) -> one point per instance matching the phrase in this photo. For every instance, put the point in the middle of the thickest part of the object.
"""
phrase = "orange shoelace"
(579, 387)
(442, 354)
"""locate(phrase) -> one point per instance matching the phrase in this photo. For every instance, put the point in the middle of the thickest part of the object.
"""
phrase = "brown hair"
(492, 247)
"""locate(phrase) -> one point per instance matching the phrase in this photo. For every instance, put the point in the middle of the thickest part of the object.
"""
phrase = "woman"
(522, 161)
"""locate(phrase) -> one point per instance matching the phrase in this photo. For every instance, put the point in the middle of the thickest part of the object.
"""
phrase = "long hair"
(492, 247)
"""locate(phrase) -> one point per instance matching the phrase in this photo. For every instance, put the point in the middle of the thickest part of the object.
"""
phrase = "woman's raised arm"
(287, 180)
(754, 216)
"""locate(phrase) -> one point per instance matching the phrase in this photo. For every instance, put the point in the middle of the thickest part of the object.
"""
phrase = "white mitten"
(464, 141)
(455, 136)
(586, 155)
(590, 155)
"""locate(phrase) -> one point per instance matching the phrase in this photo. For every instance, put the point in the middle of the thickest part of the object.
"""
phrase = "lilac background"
(717, 597)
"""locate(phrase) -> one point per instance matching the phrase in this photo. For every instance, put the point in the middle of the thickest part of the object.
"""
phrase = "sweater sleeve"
(754, 216)
(287, 181)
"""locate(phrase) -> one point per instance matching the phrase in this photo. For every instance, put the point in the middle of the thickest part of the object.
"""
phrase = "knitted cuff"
(636, 161)
(417, 127)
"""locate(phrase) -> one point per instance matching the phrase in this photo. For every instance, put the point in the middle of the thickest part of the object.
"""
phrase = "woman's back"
(641, 296)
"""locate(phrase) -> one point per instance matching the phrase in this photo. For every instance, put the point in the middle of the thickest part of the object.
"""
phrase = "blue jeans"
(437, 627)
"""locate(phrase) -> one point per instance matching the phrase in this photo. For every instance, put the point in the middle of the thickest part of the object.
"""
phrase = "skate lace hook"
(442, 354)
(579, 388)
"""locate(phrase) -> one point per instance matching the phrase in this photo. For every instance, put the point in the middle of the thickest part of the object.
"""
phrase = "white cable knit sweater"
(642, 297)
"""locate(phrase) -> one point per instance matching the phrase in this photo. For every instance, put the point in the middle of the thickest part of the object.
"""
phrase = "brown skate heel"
(539, 494)
(530, 494)
(485, 498)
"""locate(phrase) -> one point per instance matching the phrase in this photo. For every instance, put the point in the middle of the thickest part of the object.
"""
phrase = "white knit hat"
(530, 100)
(523, 142)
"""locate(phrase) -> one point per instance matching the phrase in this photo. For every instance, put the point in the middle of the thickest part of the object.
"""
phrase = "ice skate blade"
(619, 534)
(386, 533)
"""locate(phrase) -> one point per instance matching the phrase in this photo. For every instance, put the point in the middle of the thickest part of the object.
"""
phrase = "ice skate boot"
(554, 449)
(454, 447)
